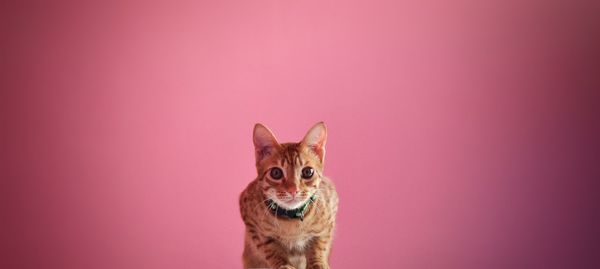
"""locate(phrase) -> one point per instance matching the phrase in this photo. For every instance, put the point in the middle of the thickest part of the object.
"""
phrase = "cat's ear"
(265, 142)
(316, 138)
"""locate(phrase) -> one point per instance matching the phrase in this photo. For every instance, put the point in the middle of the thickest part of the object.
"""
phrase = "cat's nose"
(292, 190)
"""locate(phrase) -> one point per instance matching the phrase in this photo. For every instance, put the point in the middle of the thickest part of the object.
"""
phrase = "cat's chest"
(298, 243)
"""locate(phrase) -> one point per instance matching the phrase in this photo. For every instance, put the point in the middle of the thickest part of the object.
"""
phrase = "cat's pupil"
(276, 173)
(307, 172)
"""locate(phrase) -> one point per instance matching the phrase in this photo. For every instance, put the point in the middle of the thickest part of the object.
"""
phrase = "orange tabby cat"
(289, 209)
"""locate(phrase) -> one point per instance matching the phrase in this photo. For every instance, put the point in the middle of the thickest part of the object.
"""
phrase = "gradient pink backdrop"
(462, 134)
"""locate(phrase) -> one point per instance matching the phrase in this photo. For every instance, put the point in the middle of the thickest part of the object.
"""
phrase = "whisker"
(266, 212)
(260, 203)
(276, 219)
(318, 201)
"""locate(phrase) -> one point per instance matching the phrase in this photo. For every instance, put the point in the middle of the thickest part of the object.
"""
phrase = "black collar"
(297, 213)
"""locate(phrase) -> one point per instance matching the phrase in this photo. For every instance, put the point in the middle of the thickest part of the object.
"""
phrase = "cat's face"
(289, 173)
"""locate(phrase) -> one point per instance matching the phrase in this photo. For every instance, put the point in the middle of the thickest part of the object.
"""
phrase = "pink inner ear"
(317, 150)
(315, 137)
(262, 152)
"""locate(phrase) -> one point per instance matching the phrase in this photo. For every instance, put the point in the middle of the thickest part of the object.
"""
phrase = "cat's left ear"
(264, 142)
(315, 139)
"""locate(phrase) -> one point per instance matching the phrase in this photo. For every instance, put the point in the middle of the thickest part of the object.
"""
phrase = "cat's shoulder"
(246, 194)
(327, 181)
(327, 184)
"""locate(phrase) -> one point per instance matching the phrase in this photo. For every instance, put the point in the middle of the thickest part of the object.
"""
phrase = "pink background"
(461, 133)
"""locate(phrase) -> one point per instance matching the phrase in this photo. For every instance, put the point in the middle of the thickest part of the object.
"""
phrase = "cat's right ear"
(265, 142)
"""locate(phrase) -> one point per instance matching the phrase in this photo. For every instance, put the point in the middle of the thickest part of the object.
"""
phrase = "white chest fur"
(297, 243)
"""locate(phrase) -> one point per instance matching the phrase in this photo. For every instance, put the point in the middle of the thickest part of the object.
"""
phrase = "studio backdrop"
(460, 133)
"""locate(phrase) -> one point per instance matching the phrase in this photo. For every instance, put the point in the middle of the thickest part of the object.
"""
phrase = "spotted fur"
(279, 242)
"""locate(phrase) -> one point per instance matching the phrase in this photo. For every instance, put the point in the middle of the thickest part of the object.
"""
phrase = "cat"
(289, 209)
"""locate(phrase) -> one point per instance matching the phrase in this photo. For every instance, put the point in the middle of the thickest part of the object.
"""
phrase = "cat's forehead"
(290, 154)
(293, 154)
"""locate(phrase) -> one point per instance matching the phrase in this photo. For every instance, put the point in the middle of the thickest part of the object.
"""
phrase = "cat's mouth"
(291, 203)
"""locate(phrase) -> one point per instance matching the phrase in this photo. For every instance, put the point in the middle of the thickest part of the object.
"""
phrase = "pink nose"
(292, 190)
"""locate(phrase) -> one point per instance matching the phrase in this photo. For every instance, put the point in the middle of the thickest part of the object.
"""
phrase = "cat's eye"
(276, 173)
(307, 172)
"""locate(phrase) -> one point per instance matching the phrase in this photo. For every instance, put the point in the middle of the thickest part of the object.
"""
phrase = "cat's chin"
(291, 204)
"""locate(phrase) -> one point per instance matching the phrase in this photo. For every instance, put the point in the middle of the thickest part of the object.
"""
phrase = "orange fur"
(280, 242)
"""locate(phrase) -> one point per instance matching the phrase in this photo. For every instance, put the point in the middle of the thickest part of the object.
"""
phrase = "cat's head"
(289, 173)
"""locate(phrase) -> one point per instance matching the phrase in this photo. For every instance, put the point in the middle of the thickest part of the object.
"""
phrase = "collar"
(297, 213)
